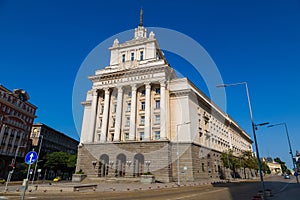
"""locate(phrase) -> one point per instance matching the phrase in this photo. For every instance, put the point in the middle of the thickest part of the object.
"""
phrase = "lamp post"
(177, 151)
(254, 128)
(37, 160)
(13, 167)
(290, 146)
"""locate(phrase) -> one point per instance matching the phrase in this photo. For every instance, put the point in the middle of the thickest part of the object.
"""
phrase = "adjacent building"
(16, 118)
(274, 167)
(51, 140)
(139, 117)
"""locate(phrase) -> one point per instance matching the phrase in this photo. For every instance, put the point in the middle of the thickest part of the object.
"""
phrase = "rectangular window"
(129, 94)
(113, 122)
(141, 55)
(126, 136)
(143, 105)
(157, 90)
(102, 109)
(143, 93)
(157, 119)
(132, 56)
(123, 58)
(157, 104)
(157, 135)
(203, 168)
(115, 108)
(128, 107)
(128, 121)
(141, 136)
(142, 120)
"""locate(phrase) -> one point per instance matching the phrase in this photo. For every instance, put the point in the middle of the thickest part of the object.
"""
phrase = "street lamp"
(288, 137)
(177, 151)
(254, 128)
(13, 166)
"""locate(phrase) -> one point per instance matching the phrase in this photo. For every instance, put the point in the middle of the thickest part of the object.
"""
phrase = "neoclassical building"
(139, 117)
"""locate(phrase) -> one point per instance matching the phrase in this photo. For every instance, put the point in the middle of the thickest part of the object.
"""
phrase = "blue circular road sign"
(31, 157)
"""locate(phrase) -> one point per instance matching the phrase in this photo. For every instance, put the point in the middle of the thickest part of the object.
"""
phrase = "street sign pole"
(30, 158)
(25, 183)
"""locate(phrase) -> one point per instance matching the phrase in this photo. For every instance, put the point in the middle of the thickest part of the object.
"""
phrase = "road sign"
(30, 157)
(296, 174)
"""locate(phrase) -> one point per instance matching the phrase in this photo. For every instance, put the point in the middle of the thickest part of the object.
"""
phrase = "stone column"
(105, 115)
(132, 135)
(147, 130)
(93, 117)
(119, 115)
(163, 110)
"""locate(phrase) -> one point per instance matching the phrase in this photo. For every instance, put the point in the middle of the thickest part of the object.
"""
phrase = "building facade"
(16, 118)
(51, 140)
(139, 117)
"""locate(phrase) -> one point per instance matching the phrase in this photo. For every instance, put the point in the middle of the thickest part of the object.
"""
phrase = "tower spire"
(141, 17)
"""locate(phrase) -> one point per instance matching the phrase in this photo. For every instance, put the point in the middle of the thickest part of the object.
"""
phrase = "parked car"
(2, 180)
(58, 178)
(287, 176)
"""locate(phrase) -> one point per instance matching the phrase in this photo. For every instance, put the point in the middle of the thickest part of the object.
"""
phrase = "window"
(157, 90)
(157, 104)
(126, 136)
(113, 122)
(143, 105)
(102, 109)
(157, 119)
(203, 168)
(143, 93)
(141, 55)
(132, 56)
(128, 121)
(128, 107)
(157, 135)
(123, 58)
(115, 108)
(129, 94)
(141, 135)
(142, 120)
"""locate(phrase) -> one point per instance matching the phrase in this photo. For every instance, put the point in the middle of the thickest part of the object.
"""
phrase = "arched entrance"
(120, 165)
(103, 165)
(138, 164)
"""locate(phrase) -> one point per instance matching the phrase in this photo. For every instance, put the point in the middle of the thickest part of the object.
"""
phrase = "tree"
(230, 161)
(282, 164)
(265, 168)
(61, 161)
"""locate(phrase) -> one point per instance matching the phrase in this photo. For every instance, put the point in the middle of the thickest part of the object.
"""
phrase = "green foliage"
(60, 160)
(265, 168)
(248, 160)
(282, 164)
(230, 161)
(148, 173)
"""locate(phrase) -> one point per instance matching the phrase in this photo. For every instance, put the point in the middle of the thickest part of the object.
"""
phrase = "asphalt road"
(283, 189)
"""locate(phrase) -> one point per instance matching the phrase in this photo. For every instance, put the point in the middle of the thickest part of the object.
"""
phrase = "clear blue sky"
(43, 43)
